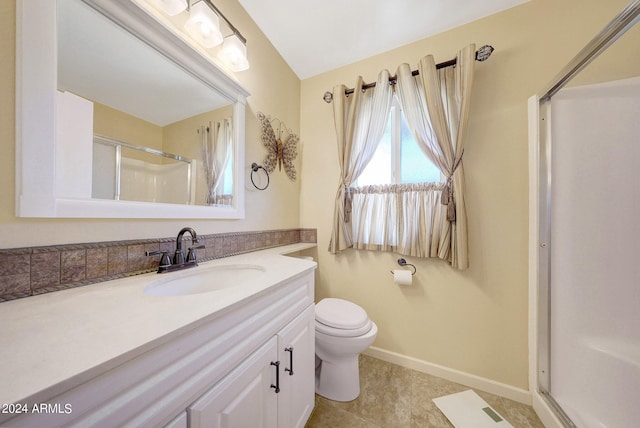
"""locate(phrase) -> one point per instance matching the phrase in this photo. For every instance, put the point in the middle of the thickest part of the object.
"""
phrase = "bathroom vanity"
(111, 354)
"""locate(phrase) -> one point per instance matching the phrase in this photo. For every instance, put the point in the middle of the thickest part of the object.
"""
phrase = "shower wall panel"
(595, 253)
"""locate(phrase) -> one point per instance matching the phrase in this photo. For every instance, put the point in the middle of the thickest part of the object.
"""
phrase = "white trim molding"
(453, 375)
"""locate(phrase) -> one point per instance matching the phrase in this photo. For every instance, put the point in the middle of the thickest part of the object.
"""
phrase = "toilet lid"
(341, 314)
(343, 332)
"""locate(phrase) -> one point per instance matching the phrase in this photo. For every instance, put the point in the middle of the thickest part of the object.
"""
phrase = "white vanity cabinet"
(179, 421)
(272, 388)
(296, 353)
(244, 398)
(213, 372)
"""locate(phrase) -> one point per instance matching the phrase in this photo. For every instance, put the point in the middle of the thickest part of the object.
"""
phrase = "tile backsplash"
(26, 272)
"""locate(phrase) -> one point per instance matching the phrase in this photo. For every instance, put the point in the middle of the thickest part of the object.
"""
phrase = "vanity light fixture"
(234, 53)
(172, 7)
(204, 25)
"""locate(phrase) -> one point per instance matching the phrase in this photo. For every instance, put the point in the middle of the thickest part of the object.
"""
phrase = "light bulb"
(172, 7)
(234, 53)
(204, 25)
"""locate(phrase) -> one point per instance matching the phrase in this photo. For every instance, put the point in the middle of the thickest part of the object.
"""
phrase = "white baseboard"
(467, 379)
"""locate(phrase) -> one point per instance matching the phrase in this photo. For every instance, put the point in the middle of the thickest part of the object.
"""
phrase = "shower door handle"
(290, 369)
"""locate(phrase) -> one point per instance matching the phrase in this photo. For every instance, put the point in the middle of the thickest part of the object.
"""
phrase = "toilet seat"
(338, 317)
(343, 332)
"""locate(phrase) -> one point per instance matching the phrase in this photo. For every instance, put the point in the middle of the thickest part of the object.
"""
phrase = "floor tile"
(327, 416)
(385, 394)
(396, 397)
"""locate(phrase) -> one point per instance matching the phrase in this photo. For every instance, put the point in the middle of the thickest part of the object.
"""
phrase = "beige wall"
(275, 90)
(116, 124)
(474, 320)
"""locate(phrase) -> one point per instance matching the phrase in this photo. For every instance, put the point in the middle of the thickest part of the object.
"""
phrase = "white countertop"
(60, 339)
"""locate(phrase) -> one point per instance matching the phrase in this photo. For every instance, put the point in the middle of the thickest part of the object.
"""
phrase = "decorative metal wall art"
(281, 145)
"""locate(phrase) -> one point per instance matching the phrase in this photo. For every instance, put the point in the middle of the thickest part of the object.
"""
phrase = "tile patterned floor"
(396, 397)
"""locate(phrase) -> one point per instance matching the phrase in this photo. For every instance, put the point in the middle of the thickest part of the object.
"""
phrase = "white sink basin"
(204, 280)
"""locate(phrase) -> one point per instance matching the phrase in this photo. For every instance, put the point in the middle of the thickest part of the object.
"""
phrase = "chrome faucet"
(179, 261)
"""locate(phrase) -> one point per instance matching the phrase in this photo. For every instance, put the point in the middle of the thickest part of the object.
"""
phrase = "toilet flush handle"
(290, 369)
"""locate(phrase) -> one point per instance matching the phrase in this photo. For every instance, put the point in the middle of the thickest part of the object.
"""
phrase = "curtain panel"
(436, 106)
(360, 120)
(216, 145)
(401, 218)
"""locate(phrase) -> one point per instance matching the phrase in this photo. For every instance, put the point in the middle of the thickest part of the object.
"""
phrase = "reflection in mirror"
(217, 155)
(132, 173)
(146, 122)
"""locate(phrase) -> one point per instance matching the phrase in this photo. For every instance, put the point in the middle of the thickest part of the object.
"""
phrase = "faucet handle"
(191, 255)
(165, 260)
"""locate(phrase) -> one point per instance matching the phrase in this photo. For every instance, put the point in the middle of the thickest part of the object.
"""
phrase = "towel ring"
(254, 168)
(403, 262)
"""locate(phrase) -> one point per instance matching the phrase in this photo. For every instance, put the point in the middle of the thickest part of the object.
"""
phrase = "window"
(396, 202)
(398, 158)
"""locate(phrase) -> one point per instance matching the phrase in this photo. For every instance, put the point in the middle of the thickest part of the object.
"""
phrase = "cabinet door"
(244, 398)
(296, 352)
(179, 421)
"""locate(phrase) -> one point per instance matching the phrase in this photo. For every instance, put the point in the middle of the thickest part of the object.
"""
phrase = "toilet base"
(339, 379)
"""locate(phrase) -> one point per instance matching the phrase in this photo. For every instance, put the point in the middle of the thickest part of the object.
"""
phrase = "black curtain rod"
(482, 54)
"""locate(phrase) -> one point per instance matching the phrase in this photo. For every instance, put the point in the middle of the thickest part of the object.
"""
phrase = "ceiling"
(315, 37)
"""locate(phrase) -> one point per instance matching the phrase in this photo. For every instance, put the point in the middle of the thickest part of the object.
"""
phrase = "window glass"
(415, 166)
(378, 170)
(398, 158)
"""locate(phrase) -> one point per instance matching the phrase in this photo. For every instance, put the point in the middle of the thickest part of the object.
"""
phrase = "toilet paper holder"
(403, 262)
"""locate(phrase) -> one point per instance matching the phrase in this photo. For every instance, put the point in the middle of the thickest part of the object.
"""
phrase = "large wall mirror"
(119, 116)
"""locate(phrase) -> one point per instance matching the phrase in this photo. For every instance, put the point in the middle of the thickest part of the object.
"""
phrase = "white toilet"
(343, 331)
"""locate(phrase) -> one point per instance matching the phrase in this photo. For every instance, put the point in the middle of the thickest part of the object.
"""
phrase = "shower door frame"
(540, 183)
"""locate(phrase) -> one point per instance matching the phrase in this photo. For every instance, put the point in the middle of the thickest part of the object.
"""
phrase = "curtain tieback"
(347, 204)
(447, 197)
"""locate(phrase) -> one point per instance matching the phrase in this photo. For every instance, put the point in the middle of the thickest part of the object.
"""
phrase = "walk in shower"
(585, 235)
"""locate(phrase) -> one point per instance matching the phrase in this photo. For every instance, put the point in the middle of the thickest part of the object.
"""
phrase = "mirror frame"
(36, 94)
